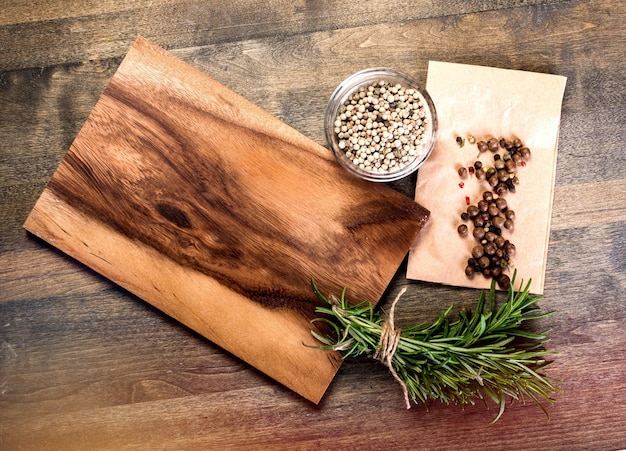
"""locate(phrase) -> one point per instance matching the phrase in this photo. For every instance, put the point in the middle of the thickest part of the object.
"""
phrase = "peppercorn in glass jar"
(380, 124)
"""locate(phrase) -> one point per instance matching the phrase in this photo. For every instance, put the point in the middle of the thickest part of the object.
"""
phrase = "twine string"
(388, 344)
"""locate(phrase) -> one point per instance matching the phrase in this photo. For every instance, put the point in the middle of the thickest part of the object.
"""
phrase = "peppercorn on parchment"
(485, 102)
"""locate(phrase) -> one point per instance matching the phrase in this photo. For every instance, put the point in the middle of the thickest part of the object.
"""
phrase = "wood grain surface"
(84, 364)
(218, 214)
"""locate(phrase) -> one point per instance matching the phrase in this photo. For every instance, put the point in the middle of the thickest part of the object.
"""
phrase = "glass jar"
(390, 146)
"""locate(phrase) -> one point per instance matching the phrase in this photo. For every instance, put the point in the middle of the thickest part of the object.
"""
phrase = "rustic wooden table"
(86, 365)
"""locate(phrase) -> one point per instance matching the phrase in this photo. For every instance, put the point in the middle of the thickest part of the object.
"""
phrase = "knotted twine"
(388, 344)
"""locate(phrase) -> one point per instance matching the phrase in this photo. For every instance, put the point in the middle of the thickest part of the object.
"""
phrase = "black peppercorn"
(477, 252)
(501, 188)
(503, 281)
(490, 215)
(509, 249)
(495, 230)
(510, 185)
(497, 221)
(490, 248)
(510, 166)
(478, 233)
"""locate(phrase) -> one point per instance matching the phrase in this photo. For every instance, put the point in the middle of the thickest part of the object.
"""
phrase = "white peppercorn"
(382, 126)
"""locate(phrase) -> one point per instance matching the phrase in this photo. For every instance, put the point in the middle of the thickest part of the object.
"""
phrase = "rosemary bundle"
(484, 354)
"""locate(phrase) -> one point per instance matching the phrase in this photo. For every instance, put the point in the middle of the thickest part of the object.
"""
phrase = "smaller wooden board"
(219, 214)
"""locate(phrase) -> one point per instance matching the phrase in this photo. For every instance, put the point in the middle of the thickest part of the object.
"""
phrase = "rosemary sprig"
(483, 354)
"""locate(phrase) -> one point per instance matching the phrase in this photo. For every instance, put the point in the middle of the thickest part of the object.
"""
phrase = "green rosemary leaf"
(324, 340)
(529, 335)
(483, 354)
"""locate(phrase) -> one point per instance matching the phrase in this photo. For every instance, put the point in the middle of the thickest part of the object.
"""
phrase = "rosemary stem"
(483, 354)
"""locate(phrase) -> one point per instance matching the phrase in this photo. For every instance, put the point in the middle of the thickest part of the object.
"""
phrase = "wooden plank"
(589, 205)
(293, 79)
(219, 214)
(59, 32)
(86, 366)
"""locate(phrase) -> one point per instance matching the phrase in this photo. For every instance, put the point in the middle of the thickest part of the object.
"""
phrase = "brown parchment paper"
(487, 102)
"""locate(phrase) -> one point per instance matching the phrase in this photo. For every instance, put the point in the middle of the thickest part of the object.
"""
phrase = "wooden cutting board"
(219, 214)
